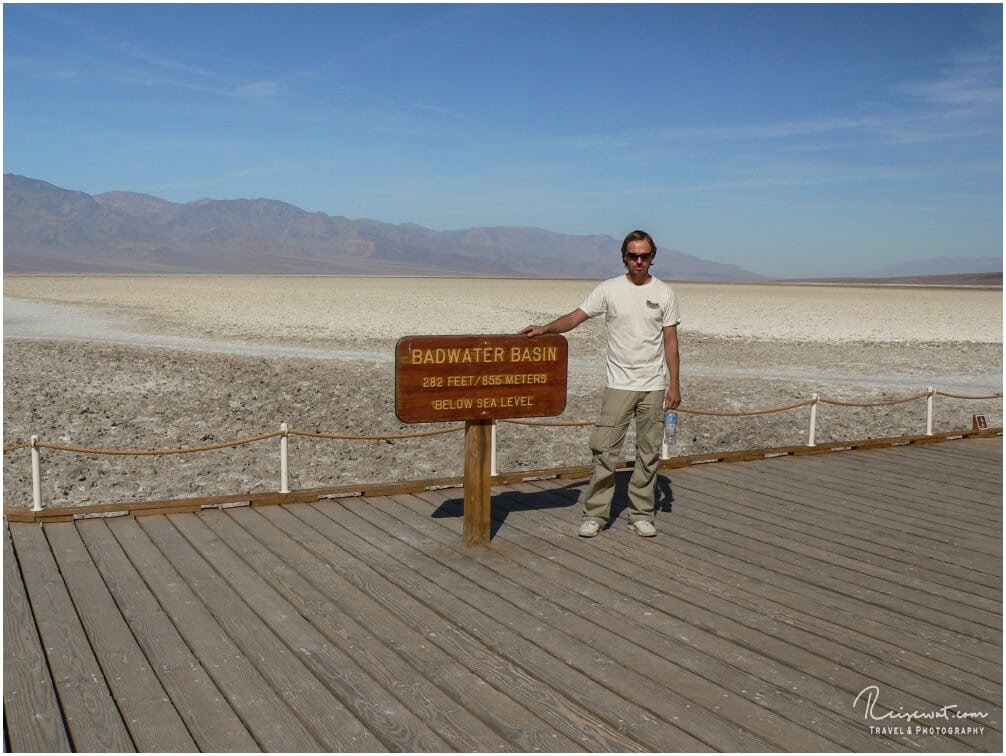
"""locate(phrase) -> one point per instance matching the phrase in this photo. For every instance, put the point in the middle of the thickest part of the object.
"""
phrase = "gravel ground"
(113, 378)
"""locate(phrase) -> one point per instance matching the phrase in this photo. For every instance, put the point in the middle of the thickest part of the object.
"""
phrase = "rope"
(439, 431)
(344, 437)
(155, 452)
(222, 445)
(826, 400)
(686, 410)
(689, 411)
(785, 408)
(964, 396)
(554, 423)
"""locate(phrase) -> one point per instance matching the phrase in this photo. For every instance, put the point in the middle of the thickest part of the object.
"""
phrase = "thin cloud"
(973, 79)
(734, 132)
(963, 101)
(435, 109)
(135, 65)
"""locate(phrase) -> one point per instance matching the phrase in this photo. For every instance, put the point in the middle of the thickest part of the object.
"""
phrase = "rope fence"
(284, 433)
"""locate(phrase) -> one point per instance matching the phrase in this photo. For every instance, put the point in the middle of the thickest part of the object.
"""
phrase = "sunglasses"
(645, 257)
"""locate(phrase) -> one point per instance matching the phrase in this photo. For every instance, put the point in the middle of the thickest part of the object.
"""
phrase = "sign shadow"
(504, 502)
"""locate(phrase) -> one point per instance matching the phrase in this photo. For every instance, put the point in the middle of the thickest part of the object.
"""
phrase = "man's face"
(638, 258)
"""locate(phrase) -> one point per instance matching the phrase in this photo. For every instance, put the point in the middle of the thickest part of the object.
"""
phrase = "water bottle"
(670, 430)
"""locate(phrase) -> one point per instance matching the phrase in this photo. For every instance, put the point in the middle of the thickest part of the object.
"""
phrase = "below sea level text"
(482, 402)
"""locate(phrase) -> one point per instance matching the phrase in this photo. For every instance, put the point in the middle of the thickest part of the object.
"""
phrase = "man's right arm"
(567, 322)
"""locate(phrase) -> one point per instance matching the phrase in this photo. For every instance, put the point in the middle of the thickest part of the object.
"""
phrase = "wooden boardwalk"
(847, 601)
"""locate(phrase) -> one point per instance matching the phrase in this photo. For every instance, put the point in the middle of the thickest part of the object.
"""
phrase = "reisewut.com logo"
(947, 720)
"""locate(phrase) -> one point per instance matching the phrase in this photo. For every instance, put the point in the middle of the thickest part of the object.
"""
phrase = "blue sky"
(791, 140)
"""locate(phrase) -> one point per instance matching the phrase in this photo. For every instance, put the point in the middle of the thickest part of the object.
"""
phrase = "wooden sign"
(448, 378)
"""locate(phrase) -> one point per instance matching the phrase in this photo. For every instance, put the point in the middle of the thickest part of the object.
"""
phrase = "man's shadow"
(566, 496)
(663, 495)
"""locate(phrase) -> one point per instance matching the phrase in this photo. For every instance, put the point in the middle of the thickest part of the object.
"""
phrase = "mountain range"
(48, 229)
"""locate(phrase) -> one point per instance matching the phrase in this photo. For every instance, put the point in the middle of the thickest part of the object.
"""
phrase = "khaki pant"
(606, 440)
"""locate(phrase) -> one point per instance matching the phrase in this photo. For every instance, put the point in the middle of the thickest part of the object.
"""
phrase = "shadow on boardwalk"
(558, 496)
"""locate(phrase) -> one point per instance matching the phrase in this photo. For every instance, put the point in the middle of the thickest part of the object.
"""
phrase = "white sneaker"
(643, 528)
(589, 529)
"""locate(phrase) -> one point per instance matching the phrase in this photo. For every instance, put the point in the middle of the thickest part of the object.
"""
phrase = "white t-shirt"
(635, 317)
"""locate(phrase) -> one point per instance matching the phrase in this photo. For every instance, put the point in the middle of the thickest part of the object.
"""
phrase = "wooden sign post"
(478, 482)
(479, 379)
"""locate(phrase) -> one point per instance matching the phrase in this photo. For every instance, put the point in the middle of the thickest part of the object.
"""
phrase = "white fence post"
(812, 433)
(284, 463)
(36, 476)
(929, 411)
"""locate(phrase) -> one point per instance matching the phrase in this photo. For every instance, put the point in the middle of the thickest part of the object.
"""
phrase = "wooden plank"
(751, 622)
(890, 537)
(426, 641)
(91, 716)
(339, 662)
(858, 620)
(683, 527)
(152, 720)
(812, 653)
(509, 478)
(983, 458)
(724, 719)
(901, 468)
(44, 516)
(138, 506)
(962, 471)
(809, 516)
(897, 521)
(264, 713)
(610, 724)
(845, 574)
(522, 592)
(12, 514)
(293, 497)
(206, 713)
(819, 611)
(176, 509)
(341, 648)
(803, 588)
(888, 497)
(32, 718)
(591, 595)
(886, 517)
(321, 714)
(899, 478)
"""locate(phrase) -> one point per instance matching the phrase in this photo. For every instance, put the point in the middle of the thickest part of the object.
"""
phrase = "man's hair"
(638, 235)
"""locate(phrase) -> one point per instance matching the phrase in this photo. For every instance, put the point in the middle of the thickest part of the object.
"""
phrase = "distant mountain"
(940, 266)
(52, 230)
(989, 280)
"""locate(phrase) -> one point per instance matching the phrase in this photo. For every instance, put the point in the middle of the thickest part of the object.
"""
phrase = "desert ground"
(170, 362)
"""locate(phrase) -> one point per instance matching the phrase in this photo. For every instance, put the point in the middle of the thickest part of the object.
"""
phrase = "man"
(641, 317)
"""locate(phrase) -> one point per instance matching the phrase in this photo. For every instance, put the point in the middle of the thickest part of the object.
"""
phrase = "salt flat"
(138, 362)
(363, 309)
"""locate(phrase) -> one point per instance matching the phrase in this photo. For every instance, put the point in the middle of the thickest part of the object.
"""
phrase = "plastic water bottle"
(670, 431)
